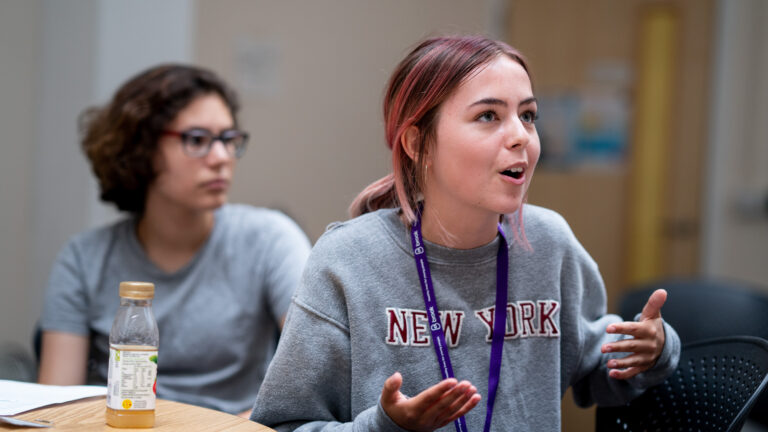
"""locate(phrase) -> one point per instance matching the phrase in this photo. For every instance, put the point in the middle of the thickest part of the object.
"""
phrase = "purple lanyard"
(436, 328)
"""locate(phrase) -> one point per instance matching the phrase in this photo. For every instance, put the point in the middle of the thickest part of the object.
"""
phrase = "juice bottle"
(133, 344)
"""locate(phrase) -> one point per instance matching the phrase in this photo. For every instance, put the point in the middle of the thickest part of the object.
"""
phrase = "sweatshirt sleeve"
(591, 382)
(308, 384)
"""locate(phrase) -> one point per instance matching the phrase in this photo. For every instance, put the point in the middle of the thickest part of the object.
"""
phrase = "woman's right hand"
(431, 409)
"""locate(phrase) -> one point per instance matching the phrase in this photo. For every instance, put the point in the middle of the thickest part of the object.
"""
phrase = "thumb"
(391, 388)
(652, 309)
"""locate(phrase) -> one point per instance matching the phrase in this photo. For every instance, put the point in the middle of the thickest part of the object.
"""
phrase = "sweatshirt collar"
(438, 254)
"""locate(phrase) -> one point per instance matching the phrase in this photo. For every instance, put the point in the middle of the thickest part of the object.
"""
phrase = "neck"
(458, 230)
(171, 235)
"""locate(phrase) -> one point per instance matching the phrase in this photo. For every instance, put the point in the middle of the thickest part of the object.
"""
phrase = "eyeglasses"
(197, 142)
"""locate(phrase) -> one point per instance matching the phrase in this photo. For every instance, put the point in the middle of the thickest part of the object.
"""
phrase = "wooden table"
(88, 415)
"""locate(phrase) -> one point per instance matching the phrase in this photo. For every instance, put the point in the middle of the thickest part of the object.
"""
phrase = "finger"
(462, 399)
(636, 360)
(430, 396)
(630, 346)
(440, 409)
(457, 405)
(630, 328)
(625, 373)
(652, 308)
(467, 407)
(451, 401)
(391, 388)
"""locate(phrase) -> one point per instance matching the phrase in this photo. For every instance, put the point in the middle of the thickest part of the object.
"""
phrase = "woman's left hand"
(646, 343)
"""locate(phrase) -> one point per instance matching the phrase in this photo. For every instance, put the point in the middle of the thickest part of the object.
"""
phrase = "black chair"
(713, 388)
(705, 308)
(708, 308)
(16, 363)
(37, 342)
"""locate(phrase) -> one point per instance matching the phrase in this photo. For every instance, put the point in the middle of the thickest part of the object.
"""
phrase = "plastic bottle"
(133, 344)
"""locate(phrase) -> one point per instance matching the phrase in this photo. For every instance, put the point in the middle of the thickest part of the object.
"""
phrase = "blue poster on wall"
(588, 126)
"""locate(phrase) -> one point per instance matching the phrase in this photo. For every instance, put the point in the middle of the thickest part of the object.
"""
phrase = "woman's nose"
(517, 135)
(219, 152)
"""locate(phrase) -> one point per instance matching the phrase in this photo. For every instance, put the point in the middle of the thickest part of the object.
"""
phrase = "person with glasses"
(164, 152)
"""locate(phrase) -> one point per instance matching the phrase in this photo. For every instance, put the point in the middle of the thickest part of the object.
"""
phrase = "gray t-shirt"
(359, 316)
(218, 316)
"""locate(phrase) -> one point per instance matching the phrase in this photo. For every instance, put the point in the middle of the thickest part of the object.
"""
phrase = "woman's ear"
(410, 142)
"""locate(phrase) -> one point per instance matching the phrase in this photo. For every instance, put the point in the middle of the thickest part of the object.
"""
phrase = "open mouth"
(515, 173)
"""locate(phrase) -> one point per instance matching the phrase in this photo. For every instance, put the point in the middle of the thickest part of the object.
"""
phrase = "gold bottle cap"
(137, 290)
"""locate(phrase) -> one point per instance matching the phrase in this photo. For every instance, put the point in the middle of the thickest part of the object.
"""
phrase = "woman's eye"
(198, 140)
(230, 136)
(529, 117)
(487, 116)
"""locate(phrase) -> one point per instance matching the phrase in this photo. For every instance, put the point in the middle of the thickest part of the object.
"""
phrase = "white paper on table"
(17, 397)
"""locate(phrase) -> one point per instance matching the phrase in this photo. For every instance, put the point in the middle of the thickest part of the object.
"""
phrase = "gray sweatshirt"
(359, 316)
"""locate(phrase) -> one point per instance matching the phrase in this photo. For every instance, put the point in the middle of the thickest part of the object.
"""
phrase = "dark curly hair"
(120, 139)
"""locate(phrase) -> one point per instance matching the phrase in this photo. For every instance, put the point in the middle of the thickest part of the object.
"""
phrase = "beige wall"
(58, 58)
(307, 158)
(736, 229)
(601, 204)
(20, 35)
(317, 136)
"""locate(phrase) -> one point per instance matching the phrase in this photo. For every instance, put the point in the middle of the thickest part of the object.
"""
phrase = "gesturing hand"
(431, 409)
(646, 344)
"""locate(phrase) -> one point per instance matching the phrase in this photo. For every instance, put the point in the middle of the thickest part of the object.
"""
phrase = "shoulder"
(343, 258)
(259, 235)
(82, 258)
(548, 233)
(251, 216)
(361, 232)
(347, 247)
(243, 219)
(95, 240)
(545, 225)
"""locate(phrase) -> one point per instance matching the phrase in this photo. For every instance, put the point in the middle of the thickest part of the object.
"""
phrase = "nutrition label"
(132, 377)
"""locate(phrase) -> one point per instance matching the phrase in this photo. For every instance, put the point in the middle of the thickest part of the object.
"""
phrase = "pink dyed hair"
(422, 81)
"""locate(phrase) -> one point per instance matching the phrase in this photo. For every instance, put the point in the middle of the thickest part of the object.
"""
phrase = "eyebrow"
(497, 101)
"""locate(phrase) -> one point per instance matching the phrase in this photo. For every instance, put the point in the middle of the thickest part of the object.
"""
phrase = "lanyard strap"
(499, 324)
(436, 327)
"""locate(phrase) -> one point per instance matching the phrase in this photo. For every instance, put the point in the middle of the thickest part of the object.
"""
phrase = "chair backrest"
(713, 388)
(700, 308)
(705, 308)
(16, 363)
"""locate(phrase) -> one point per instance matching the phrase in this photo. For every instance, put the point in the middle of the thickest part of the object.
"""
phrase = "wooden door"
(563, 42)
